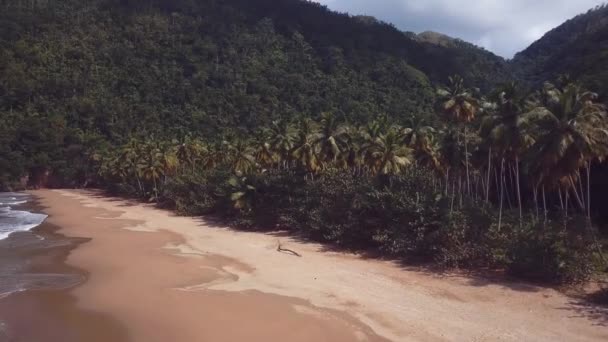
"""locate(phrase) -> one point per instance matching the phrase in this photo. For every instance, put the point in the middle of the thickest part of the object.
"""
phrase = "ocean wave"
(12, 221)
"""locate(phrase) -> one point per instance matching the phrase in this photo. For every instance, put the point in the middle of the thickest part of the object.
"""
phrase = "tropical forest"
(284, 115)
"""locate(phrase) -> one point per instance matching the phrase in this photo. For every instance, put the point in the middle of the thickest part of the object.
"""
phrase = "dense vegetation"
(282, 114)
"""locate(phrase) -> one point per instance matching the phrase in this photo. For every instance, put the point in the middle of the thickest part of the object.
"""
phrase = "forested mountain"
(579, 48)
(100, 71)
(282, 113)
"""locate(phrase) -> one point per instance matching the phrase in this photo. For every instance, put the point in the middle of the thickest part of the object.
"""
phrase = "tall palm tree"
(461, 105)
(506, 131)
(571, 131)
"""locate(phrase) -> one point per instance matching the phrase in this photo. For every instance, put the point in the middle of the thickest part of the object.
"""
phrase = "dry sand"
(169, 278)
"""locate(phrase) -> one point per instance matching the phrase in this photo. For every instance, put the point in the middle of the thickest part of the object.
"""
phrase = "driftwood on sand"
(286, 250)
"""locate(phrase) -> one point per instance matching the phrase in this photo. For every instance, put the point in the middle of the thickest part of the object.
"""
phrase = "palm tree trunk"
(453, 197)
(521, 218)
(544, 205)
(535, 195)
(488, 177)
(502, 171)
(447, 182)
(460, 191)
(466, 157)
(588, 169)
(578, 198)
(155, 188)
(507, 190)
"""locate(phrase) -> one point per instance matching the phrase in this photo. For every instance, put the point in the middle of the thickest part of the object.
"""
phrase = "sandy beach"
(170, 278)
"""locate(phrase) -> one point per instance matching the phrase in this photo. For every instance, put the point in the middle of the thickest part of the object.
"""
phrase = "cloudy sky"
(501, 26)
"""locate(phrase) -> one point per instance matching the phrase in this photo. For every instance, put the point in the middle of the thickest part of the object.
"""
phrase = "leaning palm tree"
(388, 155)
(460, 105)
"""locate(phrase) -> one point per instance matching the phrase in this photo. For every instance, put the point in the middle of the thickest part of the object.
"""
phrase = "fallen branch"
(281, 250)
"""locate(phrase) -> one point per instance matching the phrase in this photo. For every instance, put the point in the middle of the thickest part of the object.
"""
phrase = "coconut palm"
(242, 193)
(388, 155)
(240, 156)
(420, 137)
(460, 105)
(506, 131)
(571, 131)
(281, 138)
(263, 151)
(331, 138)
(190, 152)
(304, 150)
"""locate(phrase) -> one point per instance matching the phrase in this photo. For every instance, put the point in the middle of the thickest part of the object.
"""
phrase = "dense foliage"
(282, 114)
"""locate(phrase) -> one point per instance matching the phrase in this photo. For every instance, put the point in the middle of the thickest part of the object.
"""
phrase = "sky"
(501, 26)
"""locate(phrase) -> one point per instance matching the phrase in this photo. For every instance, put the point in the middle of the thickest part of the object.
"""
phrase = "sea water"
(13, 220)
(21, 246)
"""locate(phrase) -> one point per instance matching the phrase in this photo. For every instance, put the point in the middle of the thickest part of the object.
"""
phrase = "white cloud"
(501, 26)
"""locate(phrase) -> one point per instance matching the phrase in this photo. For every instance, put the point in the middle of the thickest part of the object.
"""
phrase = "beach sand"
(170, 278)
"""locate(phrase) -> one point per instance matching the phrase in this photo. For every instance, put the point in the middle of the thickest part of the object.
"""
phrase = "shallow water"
(21, 244)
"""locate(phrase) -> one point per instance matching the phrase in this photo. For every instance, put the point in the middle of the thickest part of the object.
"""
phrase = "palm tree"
(304, 150)
(240, 156)
(420, 137)
(263, 151)
(331, 138)
(571, 132)
(281, 139)
(388, 155)
(459, 103)
(151, 165)
(242, 193)
(190, 152)
(505, 130)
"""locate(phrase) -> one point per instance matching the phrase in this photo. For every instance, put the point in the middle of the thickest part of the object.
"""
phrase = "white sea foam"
(16, 220)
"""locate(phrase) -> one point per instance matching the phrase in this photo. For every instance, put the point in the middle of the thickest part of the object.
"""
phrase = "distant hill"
(578, 47)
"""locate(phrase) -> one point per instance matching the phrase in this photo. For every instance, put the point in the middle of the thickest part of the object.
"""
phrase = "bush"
(402, 216)
(552, 254)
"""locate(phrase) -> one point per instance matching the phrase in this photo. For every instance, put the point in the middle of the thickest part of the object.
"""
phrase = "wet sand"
(49, 312)
(165, 277)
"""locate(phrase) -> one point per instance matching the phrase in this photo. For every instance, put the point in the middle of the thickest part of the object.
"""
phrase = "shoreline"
(326, 295)
(134, 272)
(48, 311)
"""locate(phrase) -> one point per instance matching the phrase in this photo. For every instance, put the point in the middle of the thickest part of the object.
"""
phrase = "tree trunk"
(502, 171)
(466, 157)
(521, 218)
(588, 168)
(544, 205)
(488, 177)
(578, 198)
